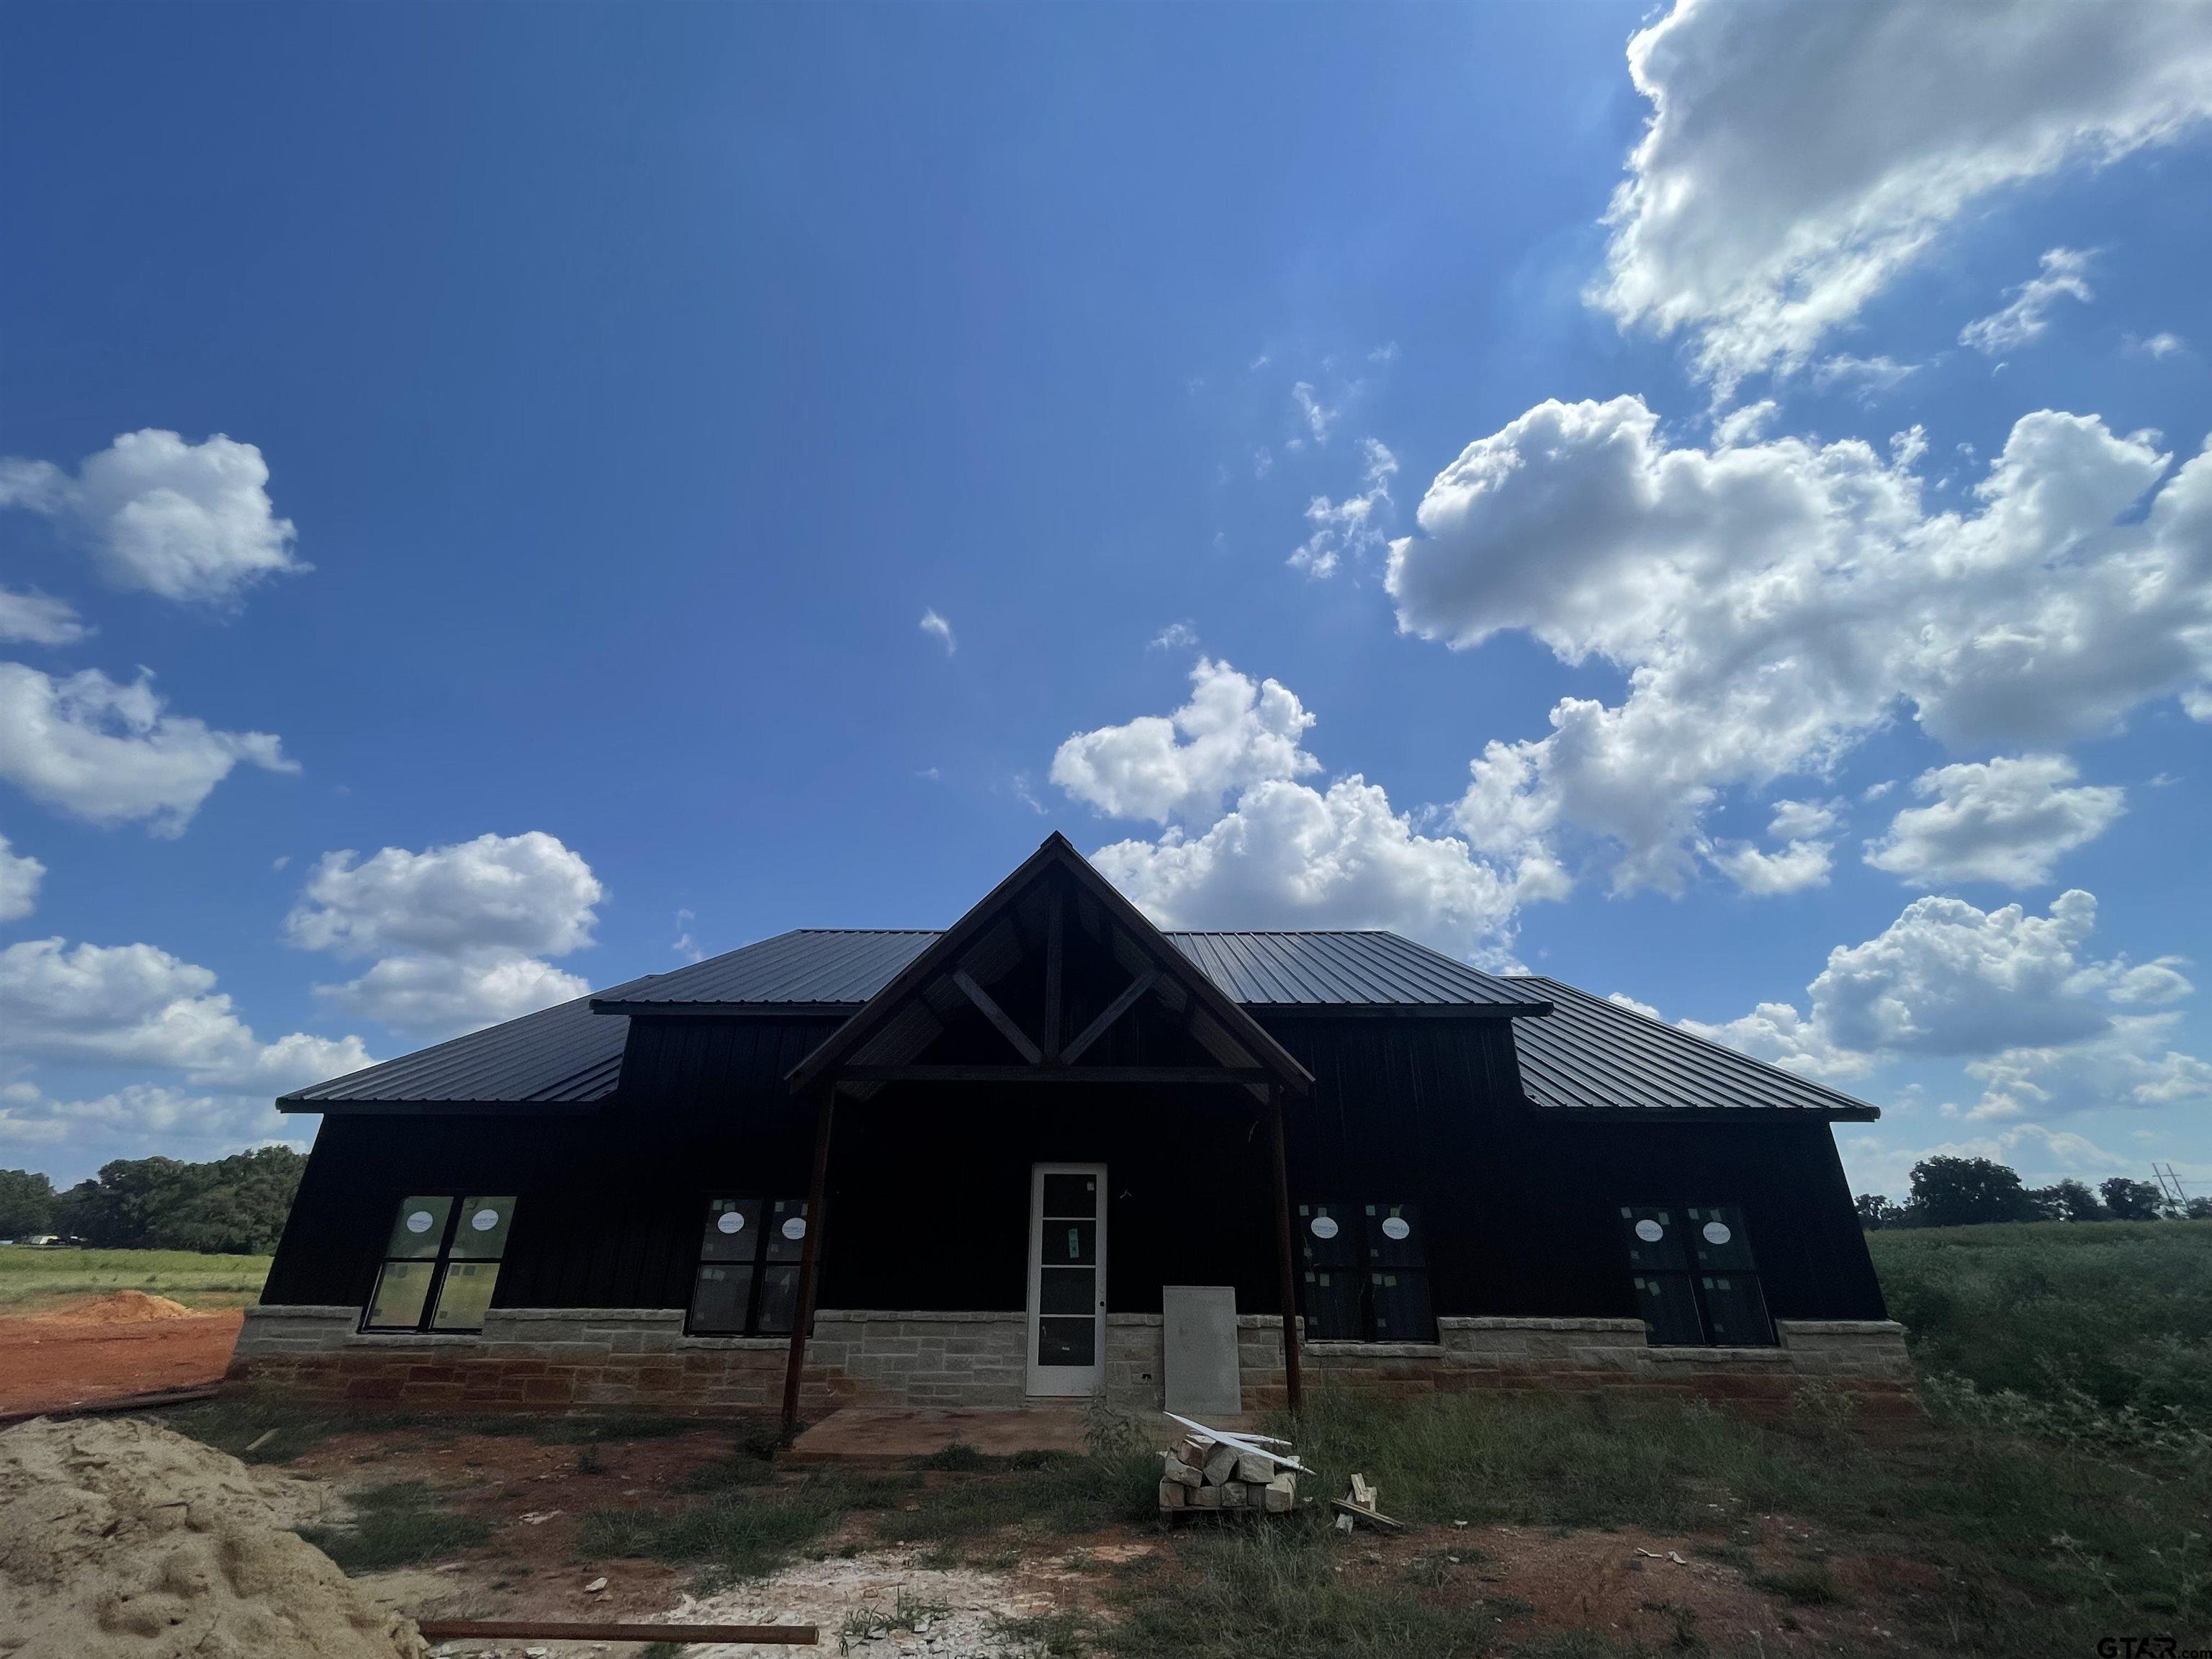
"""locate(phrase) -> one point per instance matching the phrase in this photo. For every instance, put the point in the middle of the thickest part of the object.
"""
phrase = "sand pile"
(120, 1540)
(125, 1308)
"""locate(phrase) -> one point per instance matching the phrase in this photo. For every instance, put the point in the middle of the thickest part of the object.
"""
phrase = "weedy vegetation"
(35, 1279)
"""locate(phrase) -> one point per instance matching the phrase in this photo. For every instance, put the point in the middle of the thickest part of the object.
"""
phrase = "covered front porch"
(1051, 1051)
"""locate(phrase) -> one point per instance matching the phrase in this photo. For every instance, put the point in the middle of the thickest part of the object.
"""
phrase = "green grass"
(397, 1525)
(1277, 1590)
(2047, 1545)
(2097, 1332)
(33, 1279)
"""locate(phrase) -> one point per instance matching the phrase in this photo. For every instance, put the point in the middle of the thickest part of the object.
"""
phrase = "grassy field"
(2097, 1332)
(33, 1281)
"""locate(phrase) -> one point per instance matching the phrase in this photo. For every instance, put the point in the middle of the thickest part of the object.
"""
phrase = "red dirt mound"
(121, 1308)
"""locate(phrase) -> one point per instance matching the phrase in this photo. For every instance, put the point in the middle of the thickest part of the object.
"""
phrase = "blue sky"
(479, 474)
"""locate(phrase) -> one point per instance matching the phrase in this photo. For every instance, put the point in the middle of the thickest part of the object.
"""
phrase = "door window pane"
(1066, 1289)
(1067, 1342)
(1071, 1195)
(419, 1230)
(1068, 1243)
(465, 1295)
(401, 1290)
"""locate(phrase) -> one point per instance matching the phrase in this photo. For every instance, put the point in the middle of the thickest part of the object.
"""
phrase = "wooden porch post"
(1285, 1278)
(810, 1256)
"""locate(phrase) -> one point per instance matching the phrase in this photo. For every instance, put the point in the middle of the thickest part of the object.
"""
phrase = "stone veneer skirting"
(530, 1359)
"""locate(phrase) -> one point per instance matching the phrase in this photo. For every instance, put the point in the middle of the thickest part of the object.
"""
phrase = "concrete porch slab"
(887, 1435)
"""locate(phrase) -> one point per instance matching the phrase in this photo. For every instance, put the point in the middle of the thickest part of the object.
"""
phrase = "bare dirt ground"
(109, 1348)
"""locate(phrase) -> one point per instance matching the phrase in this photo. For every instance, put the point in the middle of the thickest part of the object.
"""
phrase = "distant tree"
(2068, 1201)
(2197, 1209)
(26, 1204)
(2133, 1201)
(1876, 1211)
(1963, 1191)
(235, 1203)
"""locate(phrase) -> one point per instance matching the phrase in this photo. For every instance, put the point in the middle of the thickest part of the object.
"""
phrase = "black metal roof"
(1585, 1054)
(563, 1053)
(1591, 1055)
(838, 970)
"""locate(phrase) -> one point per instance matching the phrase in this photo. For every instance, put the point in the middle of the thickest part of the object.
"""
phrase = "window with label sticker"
(1366, 1273)
(1695, 1280)
(746, 1282)
(440, 1264)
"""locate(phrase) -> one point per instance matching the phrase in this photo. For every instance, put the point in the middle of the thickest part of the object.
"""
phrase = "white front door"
(1067, 1278)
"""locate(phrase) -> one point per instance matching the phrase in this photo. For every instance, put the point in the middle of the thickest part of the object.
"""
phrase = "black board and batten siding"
(929, 1184)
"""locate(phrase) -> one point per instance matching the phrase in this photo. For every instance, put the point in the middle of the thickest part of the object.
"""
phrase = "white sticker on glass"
(484, 1220)
(1649, 1231)
(729, 1221)
(1394, 1226)
(1717, 1232)
(419, 1222)
(1324, 1226)
(795, 1227)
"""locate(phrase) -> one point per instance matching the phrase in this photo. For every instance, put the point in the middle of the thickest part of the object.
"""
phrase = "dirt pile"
(120, 1540)
(123, 1308)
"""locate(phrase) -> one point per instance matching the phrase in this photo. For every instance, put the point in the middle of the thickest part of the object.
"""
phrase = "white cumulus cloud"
(1773, 603)
(1288, 854)
(20, 875)
(1231, 735)
(110, 752)
(157, 514)
(2004, 820)
(1799, 158)
(458, 932)
(38, 619)
(2045, 1026)
(137, 1005)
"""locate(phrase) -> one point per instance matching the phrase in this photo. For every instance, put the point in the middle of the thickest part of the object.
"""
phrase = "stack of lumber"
(1203, 1473)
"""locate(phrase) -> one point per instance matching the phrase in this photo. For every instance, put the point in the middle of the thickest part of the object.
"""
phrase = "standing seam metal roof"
(844, 968)
(1592, 1054)
(1585, 1054)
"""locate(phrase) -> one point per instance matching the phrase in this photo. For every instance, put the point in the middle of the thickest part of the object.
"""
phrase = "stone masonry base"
(639, 1358)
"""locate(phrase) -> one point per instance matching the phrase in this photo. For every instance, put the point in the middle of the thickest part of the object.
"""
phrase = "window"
(440, 1264)
(1696, 1283)
(747, 1282)
(1366, 1273)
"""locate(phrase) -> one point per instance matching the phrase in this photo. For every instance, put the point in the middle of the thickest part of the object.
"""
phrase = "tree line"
(1966, 1192)
(235, 1205)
